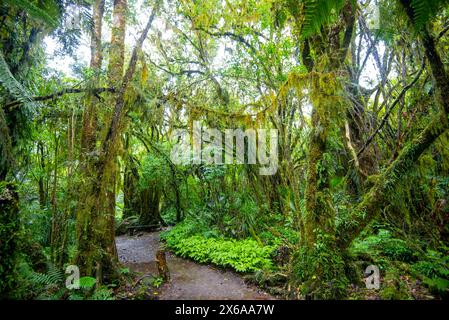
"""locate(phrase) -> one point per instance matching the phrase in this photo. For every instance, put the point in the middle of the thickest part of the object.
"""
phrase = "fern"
(35, 12)
(439, 285)
(425, 10)
(102, 293)
(315, 14)
(54, 277)
(11, 84)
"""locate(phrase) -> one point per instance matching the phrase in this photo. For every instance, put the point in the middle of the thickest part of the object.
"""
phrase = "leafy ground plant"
(241, 255)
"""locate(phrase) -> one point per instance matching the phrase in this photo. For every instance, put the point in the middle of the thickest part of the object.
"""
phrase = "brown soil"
(189, 280)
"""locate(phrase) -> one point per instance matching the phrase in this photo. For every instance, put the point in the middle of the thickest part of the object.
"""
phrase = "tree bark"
(319, 265)
(97, 252)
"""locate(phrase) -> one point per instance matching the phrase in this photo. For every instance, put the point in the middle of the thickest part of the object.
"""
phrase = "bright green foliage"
(87, 282)
(157, 282)
(383, 244)
(317, 13)
(102, 293)
(435, 272)
(154, 170)
(241, 255)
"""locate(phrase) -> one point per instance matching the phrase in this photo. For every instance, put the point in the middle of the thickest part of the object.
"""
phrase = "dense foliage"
(93, 93)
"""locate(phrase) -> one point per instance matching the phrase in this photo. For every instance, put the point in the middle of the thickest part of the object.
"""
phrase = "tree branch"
(61, 93)
(389, 110)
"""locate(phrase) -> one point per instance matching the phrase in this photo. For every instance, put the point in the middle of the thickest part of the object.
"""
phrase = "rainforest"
(224, 149)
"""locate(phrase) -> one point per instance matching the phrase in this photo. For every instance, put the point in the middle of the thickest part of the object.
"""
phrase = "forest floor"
(189, 280)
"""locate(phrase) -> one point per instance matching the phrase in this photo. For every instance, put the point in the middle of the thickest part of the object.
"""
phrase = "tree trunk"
(162, 267)
(97, 253)
(319, 265)
(41, 184)
(96, 242)
(370, 206)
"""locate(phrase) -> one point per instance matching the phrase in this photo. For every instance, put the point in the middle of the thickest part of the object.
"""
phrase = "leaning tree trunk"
(370, 206)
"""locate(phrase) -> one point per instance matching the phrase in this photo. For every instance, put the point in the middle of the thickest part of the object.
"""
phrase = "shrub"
(384, 245)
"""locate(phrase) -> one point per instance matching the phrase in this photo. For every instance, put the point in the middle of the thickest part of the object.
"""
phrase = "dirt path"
(189, 280)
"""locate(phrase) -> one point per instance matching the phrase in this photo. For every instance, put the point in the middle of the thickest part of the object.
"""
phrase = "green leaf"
(87, 282)
(425, 10)
(315, 14)
(35, 12)
(11, 84)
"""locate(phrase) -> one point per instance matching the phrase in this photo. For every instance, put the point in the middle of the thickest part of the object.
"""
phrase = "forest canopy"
(297, 143)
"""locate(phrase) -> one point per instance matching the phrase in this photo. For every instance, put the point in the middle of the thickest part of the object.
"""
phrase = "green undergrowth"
(246, 255)
(434, 271)
(402, 266)
(383, 247)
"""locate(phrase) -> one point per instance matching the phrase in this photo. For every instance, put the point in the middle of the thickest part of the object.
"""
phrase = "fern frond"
(10, 83)
(425, 10)
(54, 276)
(55, 273)
(47, 279)
(36, 12)
(317, 13)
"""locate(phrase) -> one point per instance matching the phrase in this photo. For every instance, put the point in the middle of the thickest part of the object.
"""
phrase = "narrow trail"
(189, 280)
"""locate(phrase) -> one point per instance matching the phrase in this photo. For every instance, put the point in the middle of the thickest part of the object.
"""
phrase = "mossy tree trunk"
(59, 217)
(96, 246)
(319, 265)
(385, 184)
(96, 233)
